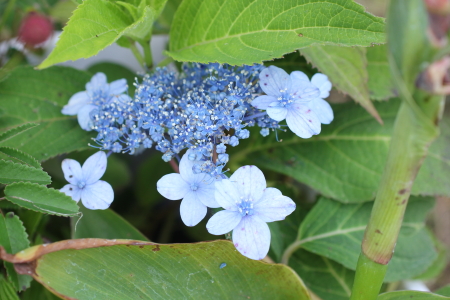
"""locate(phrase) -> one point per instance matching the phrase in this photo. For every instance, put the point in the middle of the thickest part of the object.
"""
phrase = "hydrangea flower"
(195, 190)
(98, 92)
(318, 105)
(288, 97)
(85, 183)
(248, 205)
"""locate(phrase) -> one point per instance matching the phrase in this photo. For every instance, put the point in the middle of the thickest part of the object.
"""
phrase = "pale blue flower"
(85, 183)
(248, 205)
(288, 97)
(195, 190)
(98, 92)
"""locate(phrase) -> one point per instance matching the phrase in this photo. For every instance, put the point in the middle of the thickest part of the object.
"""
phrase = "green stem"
(136, 53)
(165, 62)
(147, 53)
(409, 146)
(368, 279)
(289, 251)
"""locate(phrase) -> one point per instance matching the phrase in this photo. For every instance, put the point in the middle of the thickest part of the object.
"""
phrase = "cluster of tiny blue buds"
(205, 108)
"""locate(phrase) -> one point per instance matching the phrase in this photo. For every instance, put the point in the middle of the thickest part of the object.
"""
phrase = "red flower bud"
(35, 29)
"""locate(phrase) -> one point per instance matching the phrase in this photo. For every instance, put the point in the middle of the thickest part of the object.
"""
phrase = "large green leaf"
(346, 69)
(41, 199)
(125, 269)
(38, 292)
(38, 96)
(105, 224)
(346, 159)
(410, 295)
(15, 131)
(444, 291)
(22, 157)
(381, 83)
(251, 31)
(326, 278)
(14, 239)
(335, 230)
(7, 291)
(14, 172)
(96, 24)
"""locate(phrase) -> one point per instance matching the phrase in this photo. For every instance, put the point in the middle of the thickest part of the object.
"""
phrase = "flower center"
(81, 184)
(245, 206)
(194, 187)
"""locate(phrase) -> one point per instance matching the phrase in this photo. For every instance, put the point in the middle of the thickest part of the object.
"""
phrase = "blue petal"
(118, 87)
(273, 80)
(98, 81)
(273, 206)
(277, 112)
(222, 222)
(84, 117)
(94, 167)
(322, 109)
(263, 102)
(322, 83)
(206, 191)
(72, 171)
(72, 191)
(227, 194)
(250, 182)
(252, 237)
(76, 102)
(302, 121)
(172, 186)
(99, 195)
(192, 210)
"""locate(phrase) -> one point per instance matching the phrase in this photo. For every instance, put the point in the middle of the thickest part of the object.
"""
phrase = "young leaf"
(251, 31)
(15, 131)
(41, 199)
(346, 160)
(381, 83)
(335, 231)
(124, 269)
(14, 172)
(96, 24)
(20, 156)
(326, 278)
(408, 295)
(14, 239)
(346, 69)
(38, 96)
(7, 291)
(105, 224)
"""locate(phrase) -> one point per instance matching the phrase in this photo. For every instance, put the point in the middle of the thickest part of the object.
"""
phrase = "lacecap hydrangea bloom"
(98, 92)
(294, 98)
(85, 183)
(195, 190)
(248, 205)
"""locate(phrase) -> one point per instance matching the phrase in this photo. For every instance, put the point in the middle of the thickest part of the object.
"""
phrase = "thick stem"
(147, 53)
(136, 53)
(409, 146)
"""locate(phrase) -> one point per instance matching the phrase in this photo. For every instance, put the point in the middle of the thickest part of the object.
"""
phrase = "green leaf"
(346, 160)
(346, 69)
(7, 291)
(141, 270)
(14, 172)
(96, 24)
(335, 230)
(41, 199)
(408, 295)
(38, 96)
(381, 83)
(38, 291)
(326, 278)
(444, 291)
(15, 131)
(14, 239)
(293, 62)
(105, 224)
(251, 31)
(115, 72)
(164, 22)
(20, 156)
(439, 263)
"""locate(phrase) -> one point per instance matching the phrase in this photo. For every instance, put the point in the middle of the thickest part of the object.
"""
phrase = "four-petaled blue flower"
(248, 205)
(98, 92)
(85, 183)
(294, 98)
(196, 190)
